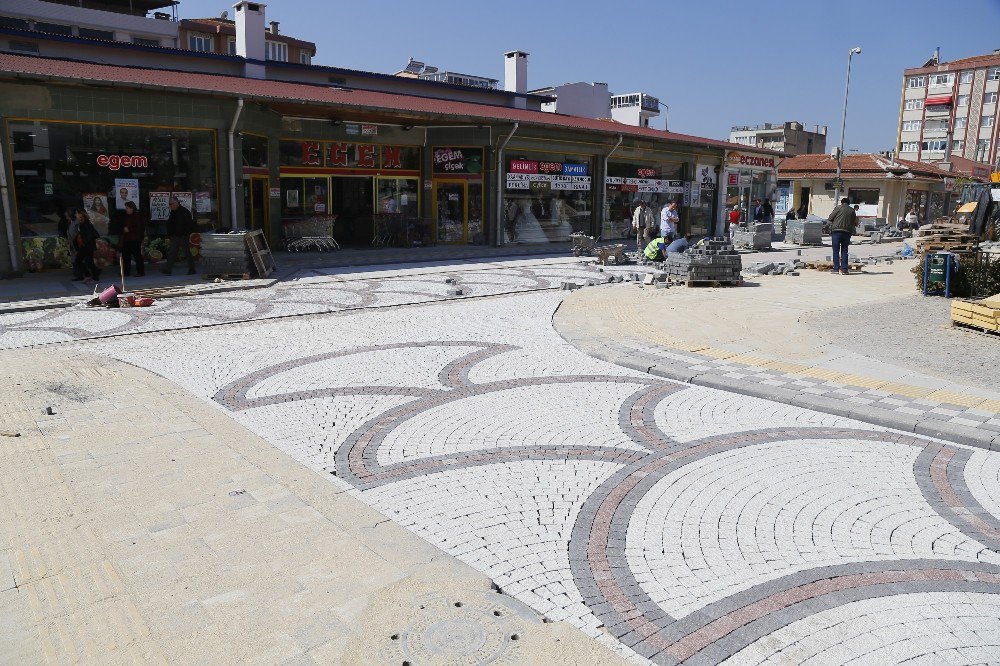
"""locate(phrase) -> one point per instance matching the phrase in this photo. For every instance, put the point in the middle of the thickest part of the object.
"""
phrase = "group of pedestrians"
(644, 223)
(128, 232)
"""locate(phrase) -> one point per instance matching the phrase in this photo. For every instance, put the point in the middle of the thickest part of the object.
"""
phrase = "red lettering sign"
(338, 154)
(523, 166)
(115, 162)
(366, 156)
(391, 158)
(646, 173)
(550, 167)
(310, 153)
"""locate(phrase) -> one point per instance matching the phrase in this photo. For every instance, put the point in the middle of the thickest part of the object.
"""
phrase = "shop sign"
(159, 206)
(647, 185)
(745, 160)
(115, 162)
(357, 155)
(523, 166)
(686, 195)
(458, 160)
(312, 154)
(707, 176)
(369, 130)
(275, 192)
(352, 129)
(645, 173)
(524, 174)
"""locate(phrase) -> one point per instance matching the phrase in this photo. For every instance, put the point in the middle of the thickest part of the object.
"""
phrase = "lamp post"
(843, 125)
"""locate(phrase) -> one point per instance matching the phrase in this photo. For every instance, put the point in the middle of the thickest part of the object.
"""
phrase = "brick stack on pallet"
(753, 237)
(226, 255)
(804, 232)
(714, 263)
(983, 314)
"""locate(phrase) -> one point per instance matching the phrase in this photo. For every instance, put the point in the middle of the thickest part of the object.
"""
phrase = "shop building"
(750, 176)
(250, 153)
(887, 188)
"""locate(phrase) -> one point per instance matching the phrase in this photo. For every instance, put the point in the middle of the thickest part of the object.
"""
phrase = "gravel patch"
(916, 333)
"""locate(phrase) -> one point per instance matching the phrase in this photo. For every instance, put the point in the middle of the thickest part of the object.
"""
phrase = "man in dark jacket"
(133, 231)
(180, 226)
(843, 221)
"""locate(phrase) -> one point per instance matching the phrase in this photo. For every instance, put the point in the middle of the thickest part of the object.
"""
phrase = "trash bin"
(938, 268)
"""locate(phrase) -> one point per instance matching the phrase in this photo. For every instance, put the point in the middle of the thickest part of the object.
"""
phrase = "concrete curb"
(658, 366)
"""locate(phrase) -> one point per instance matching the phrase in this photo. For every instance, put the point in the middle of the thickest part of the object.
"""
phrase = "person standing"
(180, 226)
(843, 221)
(912, 221)
(803, 211)
(758, 211)
(768, 210)
(669, 219)
(83, 236)
(642, 221)
(133, 231)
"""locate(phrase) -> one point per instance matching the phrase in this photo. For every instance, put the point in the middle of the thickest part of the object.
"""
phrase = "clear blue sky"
(716, 64)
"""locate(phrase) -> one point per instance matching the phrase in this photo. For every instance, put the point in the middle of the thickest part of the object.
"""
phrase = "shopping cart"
(314, 233)
(582, 243)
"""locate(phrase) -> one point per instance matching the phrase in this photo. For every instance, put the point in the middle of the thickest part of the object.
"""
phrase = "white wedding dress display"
(528, 228)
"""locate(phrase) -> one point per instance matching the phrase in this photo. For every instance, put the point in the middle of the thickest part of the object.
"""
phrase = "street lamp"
(843, 125)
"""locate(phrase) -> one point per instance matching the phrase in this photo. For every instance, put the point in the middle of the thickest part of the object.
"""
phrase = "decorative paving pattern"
(688, 524)
(306, 295)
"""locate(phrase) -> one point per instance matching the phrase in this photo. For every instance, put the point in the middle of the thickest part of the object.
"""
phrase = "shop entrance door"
(451, 211)
(256, 211)
(354, 205)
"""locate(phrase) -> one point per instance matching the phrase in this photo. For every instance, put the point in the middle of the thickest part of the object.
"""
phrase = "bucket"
(126, 300)
(108, 294)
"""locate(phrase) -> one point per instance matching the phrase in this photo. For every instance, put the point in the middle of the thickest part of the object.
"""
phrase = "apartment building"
(218, 35)
(948, 110)
(791, 138)
(142, 22)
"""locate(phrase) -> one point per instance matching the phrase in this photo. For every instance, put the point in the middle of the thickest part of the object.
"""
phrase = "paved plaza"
(662, 520)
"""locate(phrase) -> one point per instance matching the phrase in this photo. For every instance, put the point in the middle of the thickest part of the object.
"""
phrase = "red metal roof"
(74, 71)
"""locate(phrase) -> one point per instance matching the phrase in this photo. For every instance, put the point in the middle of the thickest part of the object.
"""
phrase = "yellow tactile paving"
(989, 406)
(956, 398)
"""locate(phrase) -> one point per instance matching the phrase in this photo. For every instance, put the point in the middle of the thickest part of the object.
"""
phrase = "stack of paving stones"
(754, 237)
(225, 254)
(804, 232)
(715, 260)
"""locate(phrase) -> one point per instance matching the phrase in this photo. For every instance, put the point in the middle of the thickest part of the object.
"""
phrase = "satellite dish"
(224, 16)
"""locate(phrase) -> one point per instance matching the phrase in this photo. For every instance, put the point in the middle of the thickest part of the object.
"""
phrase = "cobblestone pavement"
(313, 293)
(675, 523)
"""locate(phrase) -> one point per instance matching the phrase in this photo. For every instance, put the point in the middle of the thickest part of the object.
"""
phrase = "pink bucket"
(108, 294)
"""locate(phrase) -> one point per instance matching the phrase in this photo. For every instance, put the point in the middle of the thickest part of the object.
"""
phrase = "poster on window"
(292, 197)
(707, 176)
(126, 189)
(185, 199)
(96, 205)
(203, 202)
(159, 206)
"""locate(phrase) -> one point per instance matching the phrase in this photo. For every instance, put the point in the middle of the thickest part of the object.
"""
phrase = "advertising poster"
(707, 178)
(784, 200)
(185, 199)
(202, 202)
(293, 198)
(159, 206)
(96, 205)
(126, 189)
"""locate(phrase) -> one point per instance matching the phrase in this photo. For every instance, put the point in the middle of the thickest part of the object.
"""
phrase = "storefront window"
(61, 166)
(399, 196)
(547, 198)
(254, 151)
(304, 197)
(628, 183)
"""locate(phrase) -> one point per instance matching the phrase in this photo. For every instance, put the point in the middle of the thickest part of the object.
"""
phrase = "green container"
(939, 266)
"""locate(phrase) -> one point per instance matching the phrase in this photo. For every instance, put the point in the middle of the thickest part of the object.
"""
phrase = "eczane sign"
(745, 160)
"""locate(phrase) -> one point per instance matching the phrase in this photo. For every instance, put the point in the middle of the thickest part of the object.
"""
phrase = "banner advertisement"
(537, 176)
(126, 189)
(95, 203)
(159, 206)
(648, 185)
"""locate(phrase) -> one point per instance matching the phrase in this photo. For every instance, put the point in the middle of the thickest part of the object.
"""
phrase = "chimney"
(274, 27)
(250, 37)
(515, 73)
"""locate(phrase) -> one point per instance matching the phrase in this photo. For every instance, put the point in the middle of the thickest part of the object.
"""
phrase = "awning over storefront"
(938, 100)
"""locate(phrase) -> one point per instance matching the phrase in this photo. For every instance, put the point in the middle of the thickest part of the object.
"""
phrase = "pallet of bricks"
(983, 314)
(804, 232)
(713, 262)
(944, 236)
(753, 237)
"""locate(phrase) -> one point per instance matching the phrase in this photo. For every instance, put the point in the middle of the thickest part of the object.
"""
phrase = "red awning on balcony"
(938, 100)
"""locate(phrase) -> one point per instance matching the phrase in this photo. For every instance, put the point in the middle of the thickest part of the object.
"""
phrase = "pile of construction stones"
(713, 260)
(775, 267)
(804, 232)
(753, 237)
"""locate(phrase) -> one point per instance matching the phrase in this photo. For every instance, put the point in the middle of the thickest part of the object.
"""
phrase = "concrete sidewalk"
(140, 524)
(755, 340)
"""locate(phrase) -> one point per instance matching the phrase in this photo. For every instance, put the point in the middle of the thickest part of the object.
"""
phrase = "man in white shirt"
(669, 219)
(642, 221)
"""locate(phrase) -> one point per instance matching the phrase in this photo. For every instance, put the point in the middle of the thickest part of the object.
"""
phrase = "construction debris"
(945, 237)
(804, 232)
